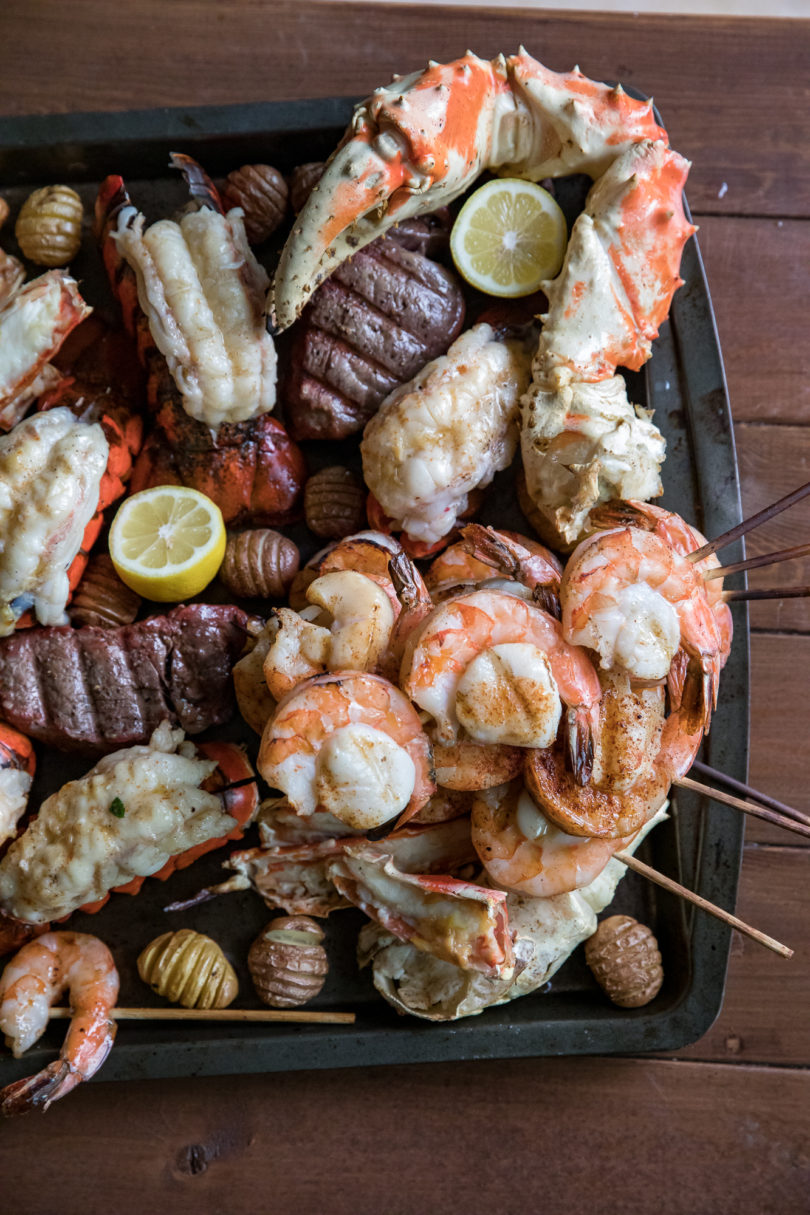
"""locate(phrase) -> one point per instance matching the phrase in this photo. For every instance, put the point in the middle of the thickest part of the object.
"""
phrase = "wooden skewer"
(675, 888)
(755, 563)
(778, 592)
(216, 1014)
(740, 787)
(769, 816)
(748, 525)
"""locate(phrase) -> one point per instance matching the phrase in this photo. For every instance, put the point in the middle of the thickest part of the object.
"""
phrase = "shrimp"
(527, 562)
(34, 980)
(684, 539)
(632, 596)
(500, 667)
(364, 552)
(351, 744)
(614, 810)
(523, 852)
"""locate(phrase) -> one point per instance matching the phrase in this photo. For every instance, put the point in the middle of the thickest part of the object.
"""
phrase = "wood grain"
(729, 89)
(490, 1138)
(779, 724)
(757, 272)
(762, 1020)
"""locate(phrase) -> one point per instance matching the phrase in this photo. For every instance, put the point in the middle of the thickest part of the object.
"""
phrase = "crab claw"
(412, 147)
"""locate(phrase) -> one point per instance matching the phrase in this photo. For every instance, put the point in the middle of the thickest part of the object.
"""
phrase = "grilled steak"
(95, 690)
(369, 328)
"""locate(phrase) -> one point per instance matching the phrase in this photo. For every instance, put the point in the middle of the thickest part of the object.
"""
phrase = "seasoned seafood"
(446, 433)
(499, 667)
(352, 744)
(545, 931)
(34, 980)
(131, 812)
(17, 766)
(35, 319)
(423, 140)
(51, 467)
(632, 595)
(202, 291)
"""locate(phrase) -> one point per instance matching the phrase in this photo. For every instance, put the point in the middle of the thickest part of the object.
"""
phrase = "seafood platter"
(438, 634)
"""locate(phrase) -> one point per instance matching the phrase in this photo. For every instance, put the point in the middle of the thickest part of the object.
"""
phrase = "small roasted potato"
(287, 962)
(188, 968)
(624, 959)
(262, 193)
(49, 226)
(334, 503)
(259, 564)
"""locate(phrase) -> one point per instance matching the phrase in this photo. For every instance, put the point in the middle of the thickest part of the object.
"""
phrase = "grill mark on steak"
(95, 690)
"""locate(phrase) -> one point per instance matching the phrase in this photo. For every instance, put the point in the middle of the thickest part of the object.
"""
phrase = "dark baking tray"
(701, 844)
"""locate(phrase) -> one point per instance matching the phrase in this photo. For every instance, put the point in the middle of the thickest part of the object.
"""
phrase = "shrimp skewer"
(500, 667)
(632, 594)
(523, 852)
(34, 980)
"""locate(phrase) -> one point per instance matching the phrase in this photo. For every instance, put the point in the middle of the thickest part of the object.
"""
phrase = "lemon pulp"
(167, 543)
(509, 237)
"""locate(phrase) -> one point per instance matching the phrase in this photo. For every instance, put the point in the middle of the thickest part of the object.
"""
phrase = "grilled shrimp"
(634, 597)
(352, 744)
(32, 981)
(500, 667)
(525, 853)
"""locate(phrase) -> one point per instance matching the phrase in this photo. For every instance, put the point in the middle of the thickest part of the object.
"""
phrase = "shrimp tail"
(37, 1092)
(699, 692)
(580, 729)
(548, 599)
(619, 512)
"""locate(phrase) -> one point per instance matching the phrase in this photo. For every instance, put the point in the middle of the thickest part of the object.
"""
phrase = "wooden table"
(725, 1125)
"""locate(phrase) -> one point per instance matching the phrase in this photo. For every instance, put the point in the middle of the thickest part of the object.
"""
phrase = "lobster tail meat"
(93, 689)
(17, 766)
(51, 468)
(34, 323)
(202, 291)
(132, 812)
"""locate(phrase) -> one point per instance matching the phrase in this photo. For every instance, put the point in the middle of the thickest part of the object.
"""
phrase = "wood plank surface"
(733, 92)
(757, 272)
(764, 1016)
(557, 1135)
(780, 728)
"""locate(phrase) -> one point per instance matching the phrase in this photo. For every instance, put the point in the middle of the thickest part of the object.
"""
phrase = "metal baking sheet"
(701, 844)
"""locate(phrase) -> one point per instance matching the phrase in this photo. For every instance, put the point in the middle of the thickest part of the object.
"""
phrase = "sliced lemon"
(167, 543)
(509, 237)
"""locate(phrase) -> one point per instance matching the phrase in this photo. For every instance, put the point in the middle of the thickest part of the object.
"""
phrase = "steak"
(95, 690)
(379, 318)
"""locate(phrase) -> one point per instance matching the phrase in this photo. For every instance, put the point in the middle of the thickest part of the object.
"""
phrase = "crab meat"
(131, 812)
(202, 291)
(446, 433)
(583, 444)
(51, 466)
(34, 322)
(546, 931)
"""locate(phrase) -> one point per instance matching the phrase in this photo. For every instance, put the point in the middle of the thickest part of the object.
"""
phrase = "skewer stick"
(740, 787)
(216, 1014)
(769, 816)
(675, 888)
(755, 563)
(748, 525)
(777, 592)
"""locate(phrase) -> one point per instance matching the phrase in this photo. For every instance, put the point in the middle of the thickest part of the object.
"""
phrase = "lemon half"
(167, 543)
(509, 237)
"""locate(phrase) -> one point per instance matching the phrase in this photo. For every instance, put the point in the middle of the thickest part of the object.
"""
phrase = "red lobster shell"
(252, 470)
